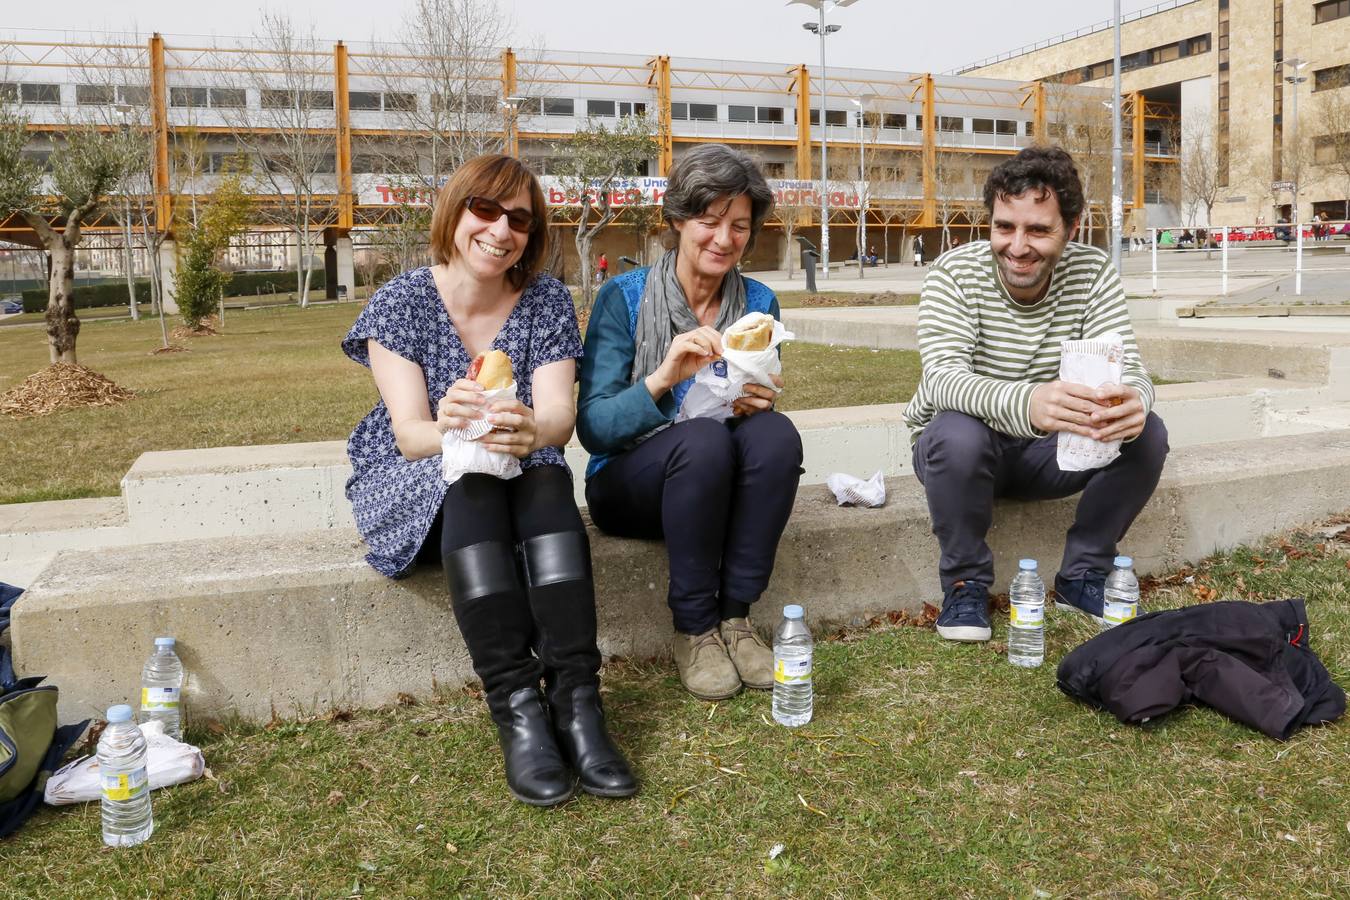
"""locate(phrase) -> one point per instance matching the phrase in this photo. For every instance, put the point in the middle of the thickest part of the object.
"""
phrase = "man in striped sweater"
(984, 419)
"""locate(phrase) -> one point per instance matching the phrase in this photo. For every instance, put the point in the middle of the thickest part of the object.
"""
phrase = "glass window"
(740, 113)
(1330, 10)
(893, 120)
(600, 108)
(9, 92)
(982, 126)
(558, 106)
(363, 99)
(679, 111)
(628, 108)
(1005, 126)
(229, 98)
(317, 99)
(770, 115)
(951, 123)
(1332, 78)
(836, 117)
(703, 112)
(133, 94)
(774, 169)
(94, 94)
(275, 98)
(187, 96)
(402, 101)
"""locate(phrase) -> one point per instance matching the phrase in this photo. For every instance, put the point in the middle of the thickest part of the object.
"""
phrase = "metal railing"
(1071, 35)
(1260, 238)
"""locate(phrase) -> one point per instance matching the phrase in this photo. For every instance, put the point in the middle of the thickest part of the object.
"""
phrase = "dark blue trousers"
(719, 494)
(964, 464)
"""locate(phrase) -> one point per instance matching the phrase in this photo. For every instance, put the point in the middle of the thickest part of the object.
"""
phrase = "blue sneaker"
(965, 613)
(1086, 595)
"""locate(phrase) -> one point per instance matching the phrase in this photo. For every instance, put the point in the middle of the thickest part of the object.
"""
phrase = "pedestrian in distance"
(514, 551)
(985, 419)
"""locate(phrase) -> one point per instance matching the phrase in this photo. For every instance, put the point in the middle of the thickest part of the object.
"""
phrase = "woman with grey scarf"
(718, 493)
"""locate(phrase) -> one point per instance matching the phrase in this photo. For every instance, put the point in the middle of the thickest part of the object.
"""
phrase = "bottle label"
(159, 699)
(126, 786)
(792, 671)
(1026, 615)
(1119, 607)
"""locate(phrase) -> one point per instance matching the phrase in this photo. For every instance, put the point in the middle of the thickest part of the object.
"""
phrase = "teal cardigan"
(612, 412)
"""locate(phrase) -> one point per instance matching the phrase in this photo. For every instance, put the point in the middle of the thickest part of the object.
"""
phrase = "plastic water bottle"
(1121, 603)
(792, 646)
(125, 781)
(1026, 624)
(162, 688)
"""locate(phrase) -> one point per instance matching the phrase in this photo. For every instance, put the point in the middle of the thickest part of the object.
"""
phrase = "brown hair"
(499, 178)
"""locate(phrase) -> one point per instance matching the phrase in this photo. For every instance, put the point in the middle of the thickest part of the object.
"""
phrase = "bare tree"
(289, 137)
(952, 187)
(1331, 143)
(1198, 169)
(86, 165)
(444, 88)
(1080, 122)
(591, 167)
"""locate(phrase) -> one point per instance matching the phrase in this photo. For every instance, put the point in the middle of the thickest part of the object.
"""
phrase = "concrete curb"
(289, 625)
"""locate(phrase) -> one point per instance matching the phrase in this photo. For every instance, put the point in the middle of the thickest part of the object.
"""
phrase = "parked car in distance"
(10, 305)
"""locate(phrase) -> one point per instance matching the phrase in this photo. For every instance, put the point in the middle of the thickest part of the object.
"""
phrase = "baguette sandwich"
(491, 369)
(753, 331)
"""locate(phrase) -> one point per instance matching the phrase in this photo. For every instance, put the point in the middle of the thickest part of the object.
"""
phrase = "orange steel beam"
(929, 154)
(509, 111)
(1038, 113)
(1137, 164)
(661, 75)
(344, 136)
(803, 89)
(159, 118)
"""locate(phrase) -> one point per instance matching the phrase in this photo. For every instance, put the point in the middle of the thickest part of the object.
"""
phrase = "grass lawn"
(931, 770)
(276, 376)
(799, 299)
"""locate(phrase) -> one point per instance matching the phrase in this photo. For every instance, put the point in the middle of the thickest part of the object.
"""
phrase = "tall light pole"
(822, 30)
(1117, 173)
(861, 103)
(512, 107)
(1297, 65)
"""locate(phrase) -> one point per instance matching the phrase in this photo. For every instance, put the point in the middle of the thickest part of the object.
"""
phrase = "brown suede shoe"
(748, 652)
(705, 669)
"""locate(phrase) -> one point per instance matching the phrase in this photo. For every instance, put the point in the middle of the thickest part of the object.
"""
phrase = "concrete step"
(288, 488)
(293, 624)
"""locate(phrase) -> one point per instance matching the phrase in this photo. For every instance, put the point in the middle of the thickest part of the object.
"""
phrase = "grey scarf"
(665, 313)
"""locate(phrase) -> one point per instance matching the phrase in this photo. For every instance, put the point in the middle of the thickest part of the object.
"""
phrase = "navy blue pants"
(964, 464)
(719, 494)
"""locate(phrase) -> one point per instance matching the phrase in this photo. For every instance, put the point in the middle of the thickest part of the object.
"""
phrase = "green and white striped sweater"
(983, 353)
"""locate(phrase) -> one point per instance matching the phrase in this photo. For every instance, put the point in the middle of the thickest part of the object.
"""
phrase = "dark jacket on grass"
(1250, 661)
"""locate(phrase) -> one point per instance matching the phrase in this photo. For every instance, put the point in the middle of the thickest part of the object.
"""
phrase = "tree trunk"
(128, 262)
(62, 326)
(583, 244)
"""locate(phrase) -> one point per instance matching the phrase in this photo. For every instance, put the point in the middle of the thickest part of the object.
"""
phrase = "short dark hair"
(1040, 169)
(708, 173)
(497, 177)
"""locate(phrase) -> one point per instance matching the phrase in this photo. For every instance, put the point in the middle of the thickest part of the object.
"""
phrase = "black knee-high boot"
(562, 600)
(494, 619)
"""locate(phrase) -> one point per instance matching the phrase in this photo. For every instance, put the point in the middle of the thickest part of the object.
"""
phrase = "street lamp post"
(1297, 65)
(512, 107)
(861, 103)
(822, 30)
(1117, 173)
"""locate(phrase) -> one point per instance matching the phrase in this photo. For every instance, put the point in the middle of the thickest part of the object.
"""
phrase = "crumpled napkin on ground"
(851, 491)
(169, 762)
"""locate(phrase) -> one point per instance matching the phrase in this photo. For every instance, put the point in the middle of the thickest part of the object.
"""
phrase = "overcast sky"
(904, 35)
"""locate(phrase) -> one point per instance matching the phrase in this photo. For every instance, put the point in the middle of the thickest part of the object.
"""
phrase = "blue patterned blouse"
(395, 501)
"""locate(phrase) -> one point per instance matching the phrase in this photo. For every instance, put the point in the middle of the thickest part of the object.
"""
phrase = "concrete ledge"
(289, 625)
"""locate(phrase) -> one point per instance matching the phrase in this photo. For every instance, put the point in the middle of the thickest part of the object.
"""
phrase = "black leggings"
(481, 508)
(719, 494)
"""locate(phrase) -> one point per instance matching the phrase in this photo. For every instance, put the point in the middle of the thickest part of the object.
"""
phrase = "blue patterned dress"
(396, 501)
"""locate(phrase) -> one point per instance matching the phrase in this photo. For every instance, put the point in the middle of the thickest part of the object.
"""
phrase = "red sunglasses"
(520, 221)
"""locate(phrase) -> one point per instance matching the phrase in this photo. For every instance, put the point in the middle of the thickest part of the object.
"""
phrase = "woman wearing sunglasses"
(719, 493)
(515, 552)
